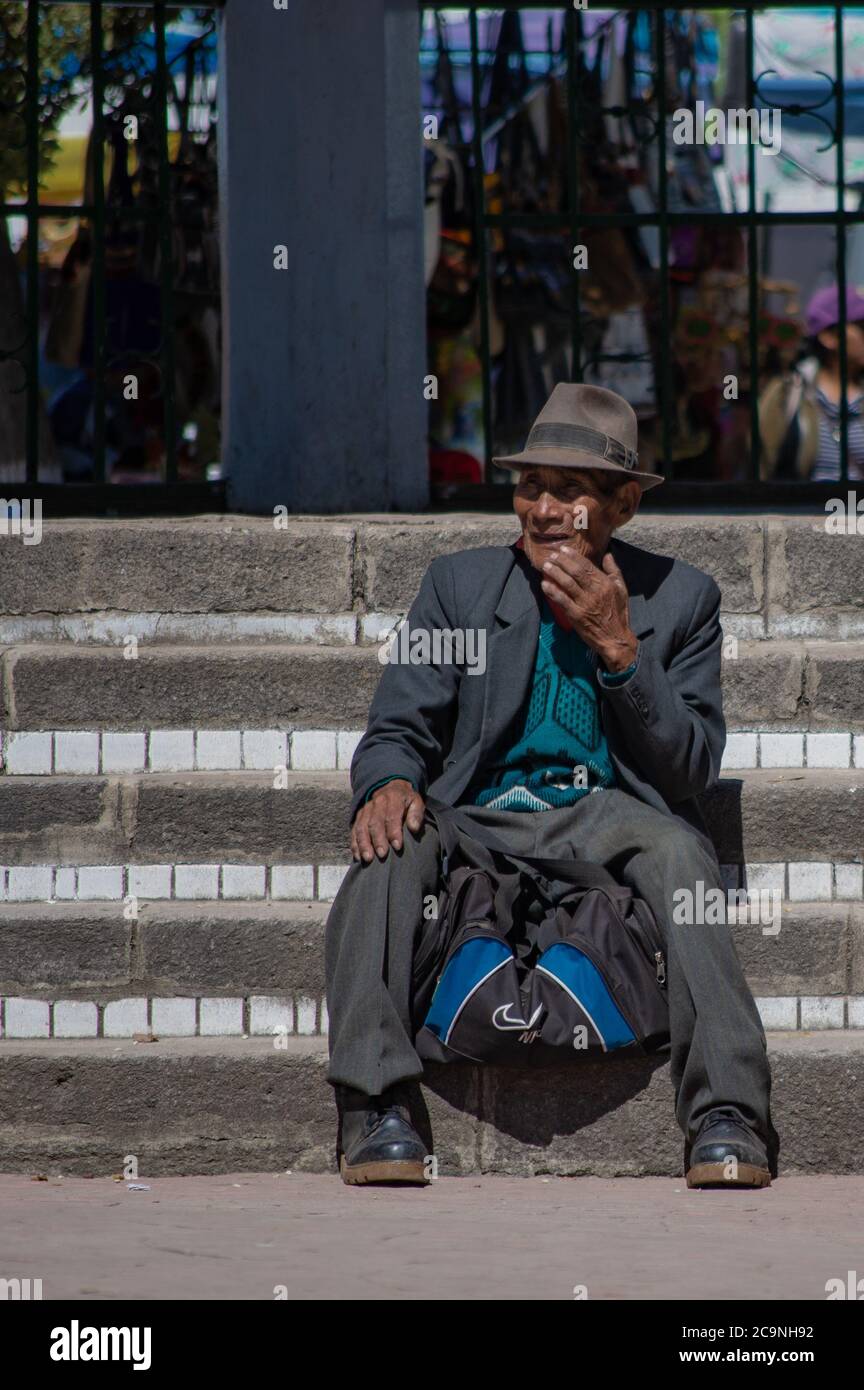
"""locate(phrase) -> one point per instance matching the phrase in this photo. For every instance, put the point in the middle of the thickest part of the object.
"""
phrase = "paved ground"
(241, 1236)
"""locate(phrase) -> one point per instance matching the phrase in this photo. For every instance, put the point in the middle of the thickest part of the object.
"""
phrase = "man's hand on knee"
(378, 824)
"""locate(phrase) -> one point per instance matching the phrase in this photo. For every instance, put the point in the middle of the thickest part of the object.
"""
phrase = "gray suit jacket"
(436, 725)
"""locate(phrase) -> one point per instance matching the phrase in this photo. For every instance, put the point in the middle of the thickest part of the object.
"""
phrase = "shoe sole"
(384, 1171)
(714, 1175)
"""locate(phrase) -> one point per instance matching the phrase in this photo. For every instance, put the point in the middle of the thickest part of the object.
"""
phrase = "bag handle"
(579, 873)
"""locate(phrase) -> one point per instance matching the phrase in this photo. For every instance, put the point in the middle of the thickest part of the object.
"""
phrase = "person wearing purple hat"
(799, 414)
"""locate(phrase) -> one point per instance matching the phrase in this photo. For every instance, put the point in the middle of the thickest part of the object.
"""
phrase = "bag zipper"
(648, 940)
(661, 967)
(656, 959)
(613, 994)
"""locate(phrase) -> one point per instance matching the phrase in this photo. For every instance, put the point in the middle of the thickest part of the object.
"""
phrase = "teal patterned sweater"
(561, 731)
(560, 754)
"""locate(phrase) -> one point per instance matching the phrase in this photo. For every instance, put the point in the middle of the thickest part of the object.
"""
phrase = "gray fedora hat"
(584, 427)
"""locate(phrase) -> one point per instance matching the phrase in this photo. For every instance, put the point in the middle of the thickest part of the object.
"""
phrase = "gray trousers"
(718, 1051)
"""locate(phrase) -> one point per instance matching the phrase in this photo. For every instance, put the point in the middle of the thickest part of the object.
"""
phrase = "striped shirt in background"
(827, 465)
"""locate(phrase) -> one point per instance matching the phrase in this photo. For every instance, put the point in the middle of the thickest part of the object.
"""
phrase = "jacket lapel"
(640, 615)
(510, 655)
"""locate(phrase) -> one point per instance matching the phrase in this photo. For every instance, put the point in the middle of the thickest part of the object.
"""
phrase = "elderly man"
(600, 657)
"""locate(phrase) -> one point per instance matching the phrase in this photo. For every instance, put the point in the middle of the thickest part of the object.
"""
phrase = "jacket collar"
(521, 592)
(630, 564)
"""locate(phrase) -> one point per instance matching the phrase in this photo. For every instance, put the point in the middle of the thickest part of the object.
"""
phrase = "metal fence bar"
(651, 219)
(480, 225)
(100, 326)
(752, 266)
(573, 40)
(839, 138)
(166, 256)
(32, 126)
(666, 392)
(88, 210)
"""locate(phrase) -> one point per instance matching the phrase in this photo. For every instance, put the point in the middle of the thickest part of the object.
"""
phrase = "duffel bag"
(530, 961)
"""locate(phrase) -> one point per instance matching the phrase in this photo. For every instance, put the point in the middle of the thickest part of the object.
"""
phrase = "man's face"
(567, 506)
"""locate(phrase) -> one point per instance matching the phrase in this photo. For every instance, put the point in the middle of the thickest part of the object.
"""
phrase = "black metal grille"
(109, 359)
(482, 74)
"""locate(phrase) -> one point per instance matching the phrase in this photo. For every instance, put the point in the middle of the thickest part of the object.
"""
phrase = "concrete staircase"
(180, 704)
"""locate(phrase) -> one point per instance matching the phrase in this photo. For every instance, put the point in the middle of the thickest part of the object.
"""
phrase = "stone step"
(775, 684)
(781, 575)
(91, 951)
(278, 686)
(201, 1105)
(801, 815)
(183, 968)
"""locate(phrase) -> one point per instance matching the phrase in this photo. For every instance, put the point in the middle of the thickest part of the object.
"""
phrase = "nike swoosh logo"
(507, 1022)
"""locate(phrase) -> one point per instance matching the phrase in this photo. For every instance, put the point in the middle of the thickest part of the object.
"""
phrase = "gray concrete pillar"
(320, 151)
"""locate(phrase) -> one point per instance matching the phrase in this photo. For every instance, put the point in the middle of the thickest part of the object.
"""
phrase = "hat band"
(587, 440)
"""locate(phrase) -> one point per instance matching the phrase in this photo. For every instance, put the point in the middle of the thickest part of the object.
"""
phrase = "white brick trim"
(28, 754)
(799, 881)
(218, 750)
(75, 1018)
(110, 629)
(302, 1015)
(313, 750)
(76, 752)
(220, 1017)
(781, 750)
(120, 752)
(123, 1017)
(822, 1011)
(810, 882)
(778, 1012)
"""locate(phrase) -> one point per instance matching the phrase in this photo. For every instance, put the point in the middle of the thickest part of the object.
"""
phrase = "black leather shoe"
(379, 1143)
(727, 1153)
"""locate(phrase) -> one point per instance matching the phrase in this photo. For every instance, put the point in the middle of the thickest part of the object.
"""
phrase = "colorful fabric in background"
(792, 47)
(456, 417)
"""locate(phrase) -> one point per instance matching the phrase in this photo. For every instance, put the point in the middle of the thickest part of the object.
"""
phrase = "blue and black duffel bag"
(530, 962)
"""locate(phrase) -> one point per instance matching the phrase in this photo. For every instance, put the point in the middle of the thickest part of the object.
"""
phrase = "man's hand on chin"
(596, 601)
